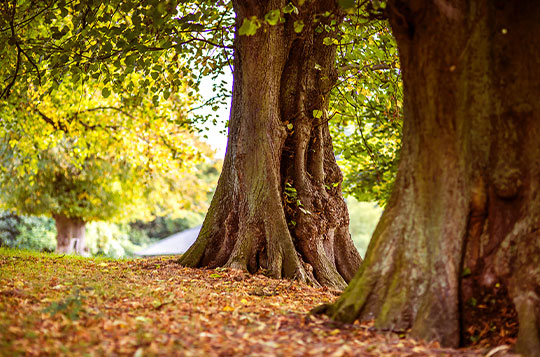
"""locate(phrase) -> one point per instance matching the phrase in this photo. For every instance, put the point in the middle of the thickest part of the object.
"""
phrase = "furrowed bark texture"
(278, 204)
(466, 201)
(70, 234)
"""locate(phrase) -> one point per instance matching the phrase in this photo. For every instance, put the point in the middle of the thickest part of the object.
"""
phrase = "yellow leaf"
(19, 284)
(228, 308)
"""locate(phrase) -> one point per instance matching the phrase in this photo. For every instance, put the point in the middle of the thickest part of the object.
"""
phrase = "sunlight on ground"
(65, 305)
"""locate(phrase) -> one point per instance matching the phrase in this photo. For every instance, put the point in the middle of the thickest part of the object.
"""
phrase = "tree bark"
(70, 234)
(464, 214)
(278, 205)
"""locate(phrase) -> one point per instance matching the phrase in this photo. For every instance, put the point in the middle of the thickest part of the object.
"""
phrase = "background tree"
(463, 216)
(59, 160)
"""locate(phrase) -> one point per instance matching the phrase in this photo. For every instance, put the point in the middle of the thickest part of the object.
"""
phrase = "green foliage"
(102, 238)
(144, 49)
(8, 227)
(366, 108)
(346, 4)
(364, 217)
(76, 154)
(114, 240)
(37, 233)
(162, 227)
(30, 233)
(249, 26)
(273, 17)
(48, 43)
(298, 26)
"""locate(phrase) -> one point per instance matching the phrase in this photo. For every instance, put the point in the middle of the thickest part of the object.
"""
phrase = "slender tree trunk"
(464, 215)
(70, 234)
(278, 204)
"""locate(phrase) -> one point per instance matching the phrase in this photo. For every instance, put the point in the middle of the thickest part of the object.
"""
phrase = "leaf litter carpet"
(56, 305)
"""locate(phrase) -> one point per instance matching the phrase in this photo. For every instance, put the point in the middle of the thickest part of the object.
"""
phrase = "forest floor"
(65, 305)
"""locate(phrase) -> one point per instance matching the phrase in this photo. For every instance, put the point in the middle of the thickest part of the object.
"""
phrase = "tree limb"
(5, 92)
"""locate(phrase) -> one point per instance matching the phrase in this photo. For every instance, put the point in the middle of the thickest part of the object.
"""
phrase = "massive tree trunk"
(464, 216)
(278, 205)
(70, 234)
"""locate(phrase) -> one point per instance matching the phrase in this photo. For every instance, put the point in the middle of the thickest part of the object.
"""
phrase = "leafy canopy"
(48, 42)
(77, 154)
(167, 43)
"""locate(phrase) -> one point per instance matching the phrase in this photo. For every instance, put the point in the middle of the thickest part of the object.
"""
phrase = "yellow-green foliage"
(366, 107)
(363, 220)
(75, 153)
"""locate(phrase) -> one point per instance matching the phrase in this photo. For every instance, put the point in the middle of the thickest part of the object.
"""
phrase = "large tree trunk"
(464, 215)
(278, 204)
(70, 234)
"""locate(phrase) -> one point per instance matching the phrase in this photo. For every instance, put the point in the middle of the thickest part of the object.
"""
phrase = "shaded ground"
(489, 318)
(52, 305)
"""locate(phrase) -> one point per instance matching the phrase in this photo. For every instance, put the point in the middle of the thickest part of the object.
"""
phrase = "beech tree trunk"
(70, 234)
(278, 205)
(464, 216)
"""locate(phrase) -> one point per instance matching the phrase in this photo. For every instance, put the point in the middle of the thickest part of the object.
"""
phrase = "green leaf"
(130, 60)
(290, 126)
(328, 41)
(317, 114)
(272, 17)
(298, 26)
(378, 4)
(288, 8)
(249, 26)
(57, 35)
(105, 92)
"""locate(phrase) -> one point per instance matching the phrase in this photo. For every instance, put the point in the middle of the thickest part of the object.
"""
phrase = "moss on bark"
(276, 84)
(467, 194)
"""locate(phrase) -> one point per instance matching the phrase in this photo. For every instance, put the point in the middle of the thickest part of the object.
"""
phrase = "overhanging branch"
(5, 92)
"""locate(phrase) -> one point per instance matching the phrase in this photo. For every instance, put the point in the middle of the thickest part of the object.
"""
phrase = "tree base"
(278, 205)
(70, 236)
